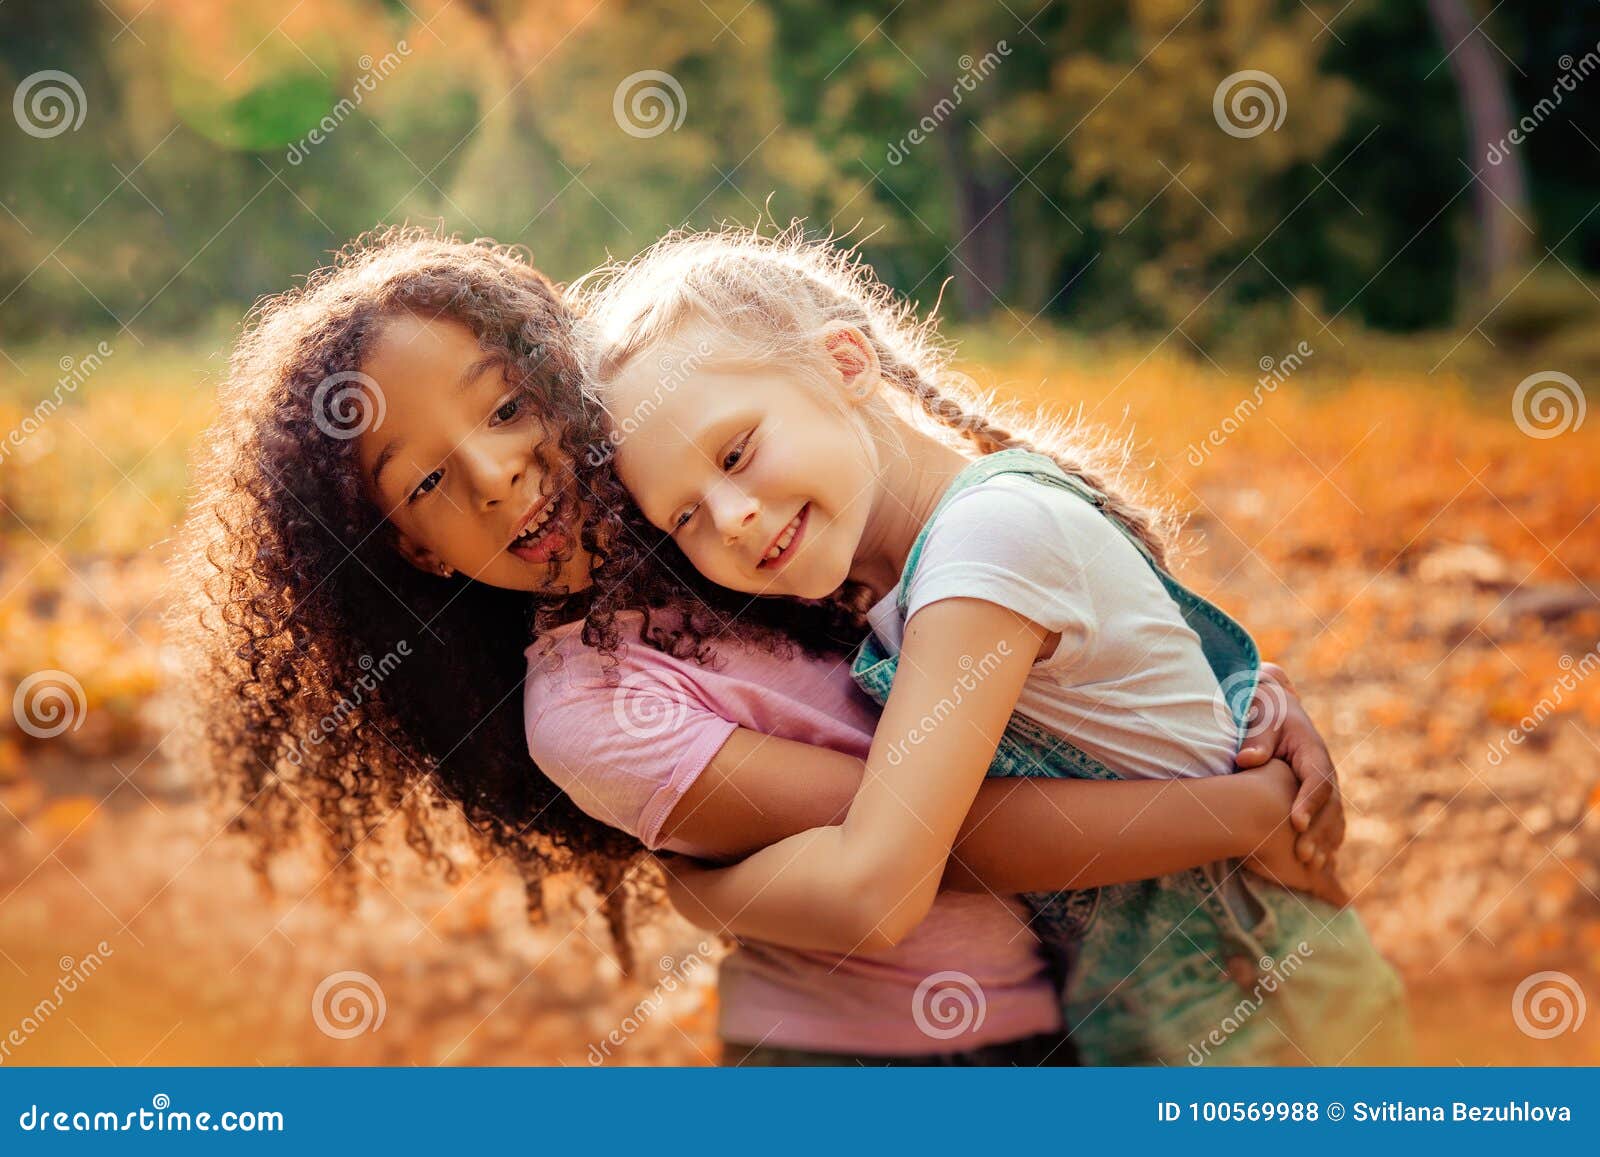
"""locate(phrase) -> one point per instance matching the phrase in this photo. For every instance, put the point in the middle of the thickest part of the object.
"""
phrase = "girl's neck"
(912, 477)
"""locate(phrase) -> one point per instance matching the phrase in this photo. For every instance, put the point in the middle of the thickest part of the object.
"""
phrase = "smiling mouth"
(543, 533)
(788, 538)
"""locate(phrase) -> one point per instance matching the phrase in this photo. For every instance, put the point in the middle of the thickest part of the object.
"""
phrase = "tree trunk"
(982, 215)
(1501, 193)
(510, 161)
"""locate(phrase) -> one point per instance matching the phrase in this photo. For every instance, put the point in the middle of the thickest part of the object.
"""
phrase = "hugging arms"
(1285, 820)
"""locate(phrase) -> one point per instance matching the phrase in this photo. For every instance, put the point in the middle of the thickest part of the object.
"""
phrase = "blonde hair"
(779, 294)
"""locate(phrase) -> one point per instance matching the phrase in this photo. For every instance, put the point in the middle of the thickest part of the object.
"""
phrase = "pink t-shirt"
(627, 753)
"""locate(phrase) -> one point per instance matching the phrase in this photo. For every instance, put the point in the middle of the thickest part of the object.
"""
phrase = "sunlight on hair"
(776, 295)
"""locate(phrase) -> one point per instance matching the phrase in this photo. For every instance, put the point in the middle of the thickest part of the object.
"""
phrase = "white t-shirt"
(1128, 682)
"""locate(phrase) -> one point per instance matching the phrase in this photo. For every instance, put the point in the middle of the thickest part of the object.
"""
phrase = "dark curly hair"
(334, 685)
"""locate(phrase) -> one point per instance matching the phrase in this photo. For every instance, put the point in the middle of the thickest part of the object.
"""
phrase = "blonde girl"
(1021, 611)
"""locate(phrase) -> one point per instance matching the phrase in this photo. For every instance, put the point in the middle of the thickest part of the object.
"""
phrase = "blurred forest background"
(1334, 263)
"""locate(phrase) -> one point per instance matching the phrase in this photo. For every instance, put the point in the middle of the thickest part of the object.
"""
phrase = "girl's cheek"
(703, 560)
(719, 562)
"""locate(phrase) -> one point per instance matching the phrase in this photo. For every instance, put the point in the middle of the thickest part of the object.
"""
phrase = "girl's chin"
(813, 583)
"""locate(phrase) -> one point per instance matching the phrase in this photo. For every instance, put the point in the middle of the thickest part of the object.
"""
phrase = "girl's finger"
(1309, 802)
(1305, 848)
(1327, 829)
(1253, 753)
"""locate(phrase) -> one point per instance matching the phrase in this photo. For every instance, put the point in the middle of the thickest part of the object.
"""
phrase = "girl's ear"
(855, 361)
(421, 557)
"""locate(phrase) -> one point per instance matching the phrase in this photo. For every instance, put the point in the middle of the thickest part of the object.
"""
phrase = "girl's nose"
(733, 512)
(495, 478)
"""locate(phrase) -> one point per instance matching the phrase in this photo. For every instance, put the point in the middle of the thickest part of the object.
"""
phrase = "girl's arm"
(1037, 838)
(867, 882)
(1021, 835)
(1043, 834)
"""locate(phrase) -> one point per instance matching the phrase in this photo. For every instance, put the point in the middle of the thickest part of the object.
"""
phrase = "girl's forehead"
(407, 344)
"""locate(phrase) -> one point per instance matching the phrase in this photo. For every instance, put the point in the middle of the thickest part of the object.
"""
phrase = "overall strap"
(1228, 647)
(1026, 462)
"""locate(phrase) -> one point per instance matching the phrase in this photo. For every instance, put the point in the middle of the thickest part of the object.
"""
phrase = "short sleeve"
(624, 753)
(1024, 545)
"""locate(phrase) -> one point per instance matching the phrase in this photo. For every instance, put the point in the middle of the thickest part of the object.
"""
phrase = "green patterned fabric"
(1166, 971)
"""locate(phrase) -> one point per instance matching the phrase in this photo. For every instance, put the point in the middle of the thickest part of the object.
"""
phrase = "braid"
(1144, 523)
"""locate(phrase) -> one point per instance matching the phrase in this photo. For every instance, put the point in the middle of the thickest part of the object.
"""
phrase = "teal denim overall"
(1165, 971)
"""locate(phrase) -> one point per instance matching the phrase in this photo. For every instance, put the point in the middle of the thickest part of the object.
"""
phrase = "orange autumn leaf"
(1391, 712)
(67, 815)
(10, 761)
(1558, 886)
(22, 799)
(1525, 945)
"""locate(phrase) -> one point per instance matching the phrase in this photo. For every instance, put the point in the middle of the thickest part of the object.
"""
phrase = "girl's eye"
(510, 408)
(426, 485)
(683, 519)
(736, 455)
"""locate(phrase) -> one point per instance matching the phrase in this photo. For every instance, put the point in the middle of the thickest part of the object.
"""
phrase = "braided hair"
(775, 295)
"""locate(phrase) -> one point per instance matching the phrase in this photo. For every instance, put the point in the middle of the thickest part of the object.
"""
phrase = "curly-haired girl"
(402, 488)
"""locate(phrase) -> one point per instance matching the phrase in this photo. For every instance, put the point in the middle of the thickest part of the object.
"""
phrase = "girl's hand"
(1286, 732)
(1276, 858)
